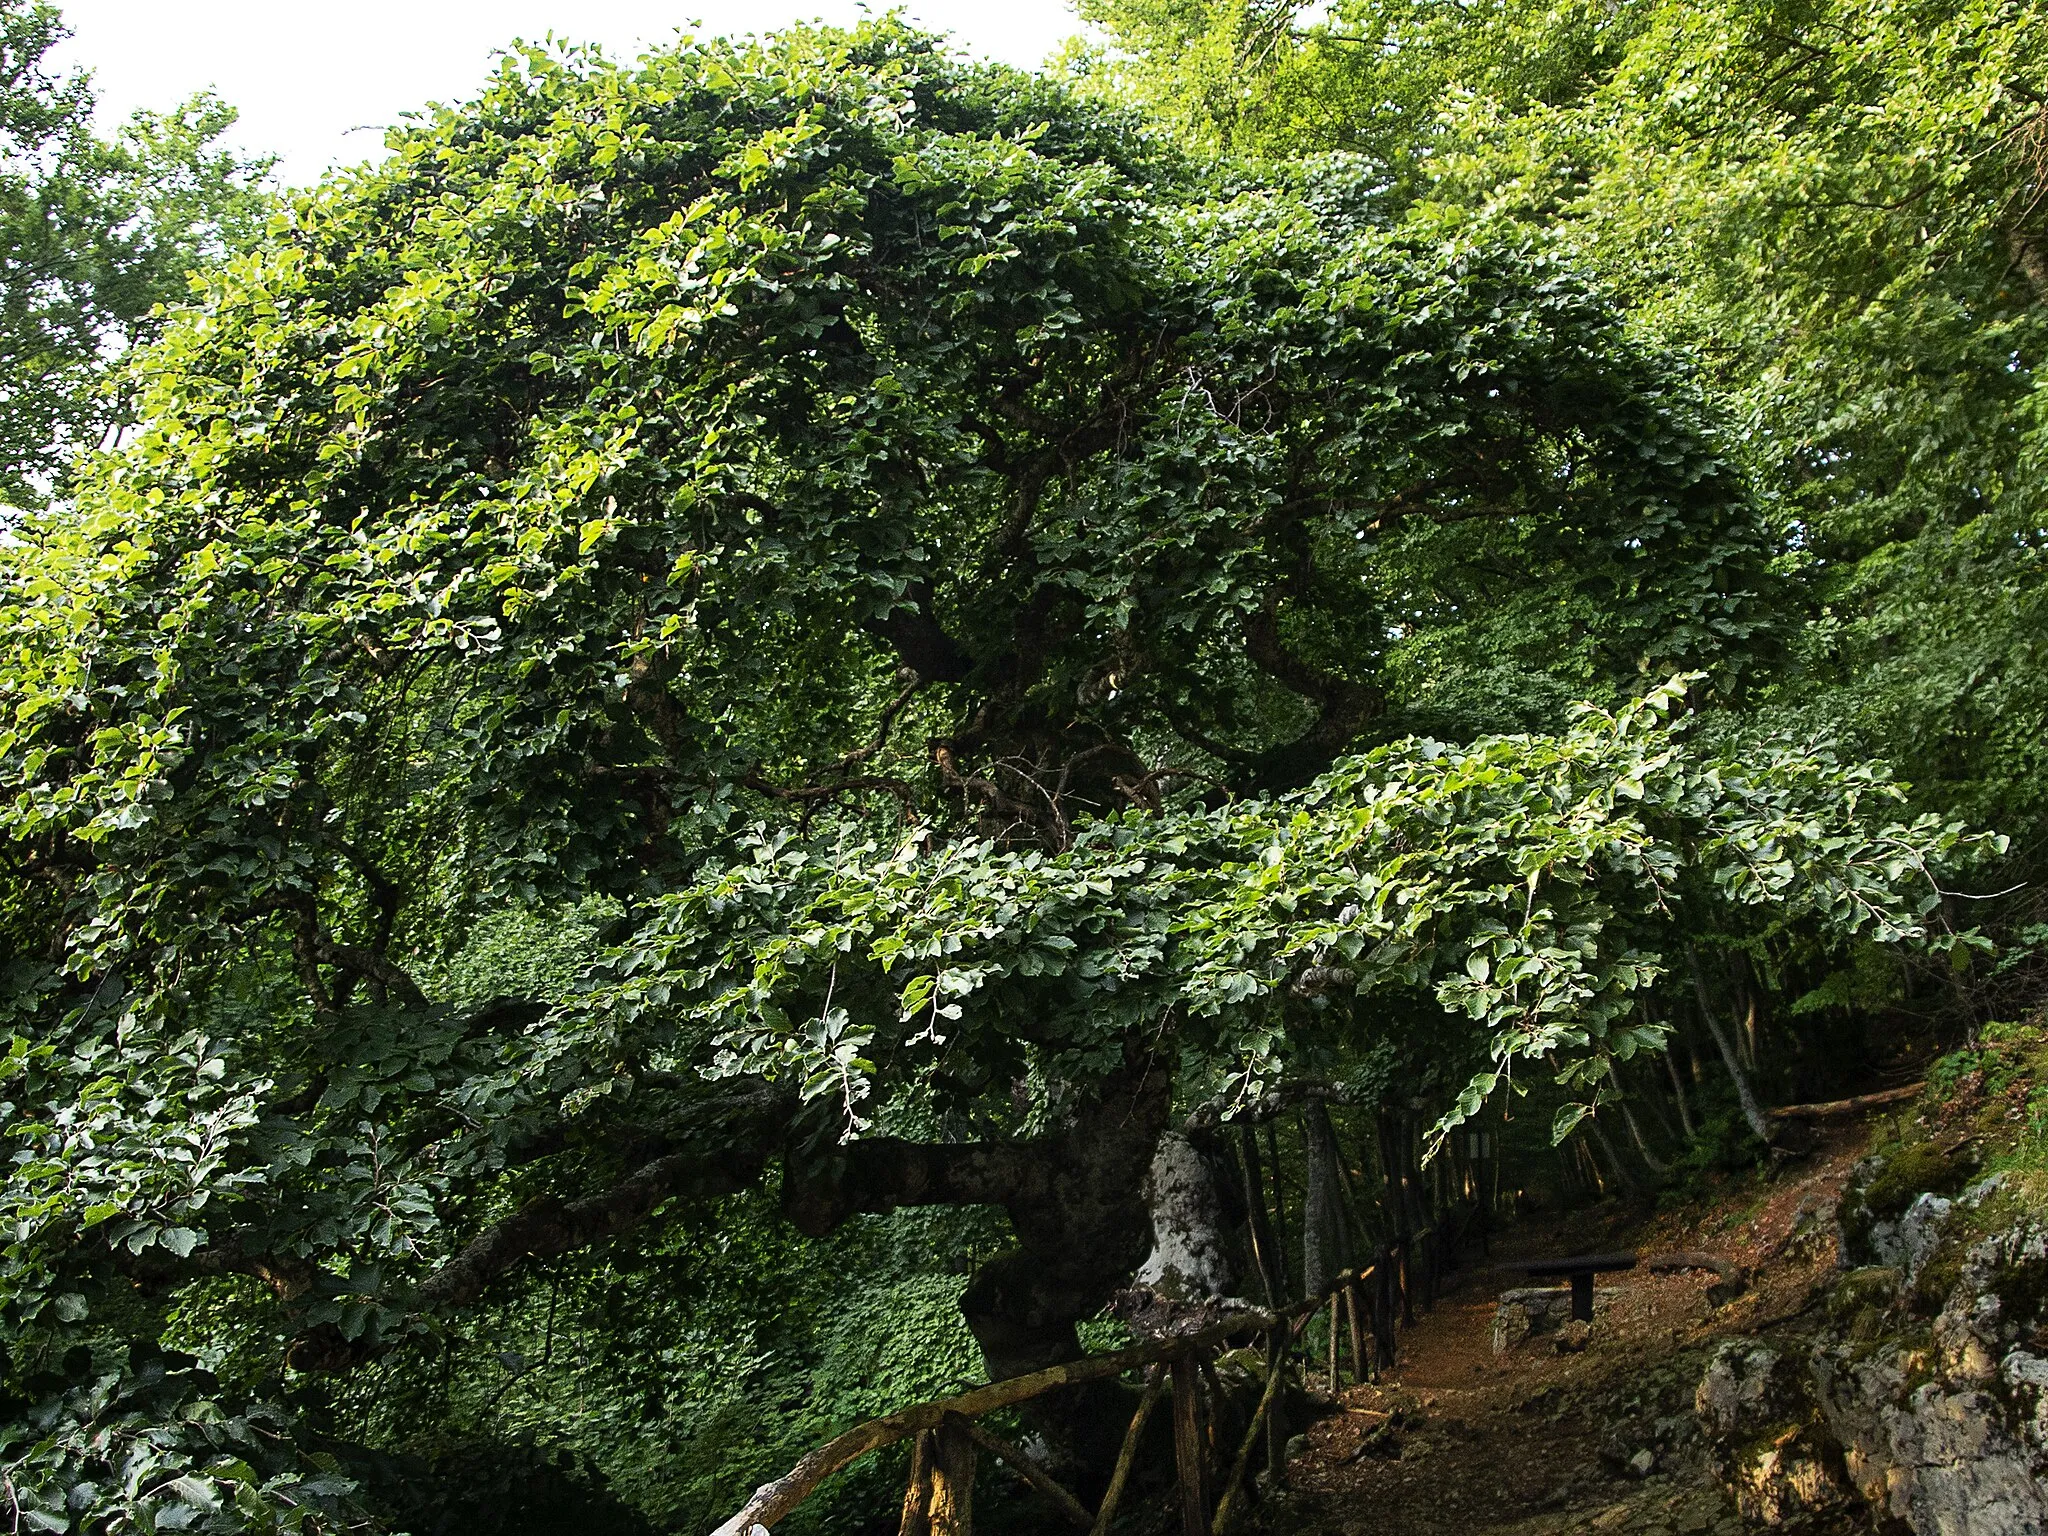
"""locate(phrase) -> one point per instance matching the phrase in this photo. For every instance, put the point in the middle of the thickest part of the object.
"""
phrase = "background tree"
(95, 235)
(1837, 209)
(1834, 211)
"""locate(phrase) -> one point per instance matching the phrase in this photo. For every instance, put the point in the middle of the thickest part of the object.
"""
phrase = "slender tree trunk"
(1752, 1111)
(1357, 1229)
(1589, 1170)
(1678, 1096)
(1652, 1100)
(1279, 1191)
(1266, 1257)
(1627, 1180)
(1650, 1159)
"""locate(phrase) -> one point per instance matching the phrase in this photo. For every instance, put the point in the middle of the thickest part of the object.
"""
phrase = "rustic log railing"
(945, 1437)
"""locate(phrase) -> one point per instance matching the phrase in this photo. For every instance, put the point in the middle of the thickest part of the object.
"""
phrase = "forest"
(777, 731)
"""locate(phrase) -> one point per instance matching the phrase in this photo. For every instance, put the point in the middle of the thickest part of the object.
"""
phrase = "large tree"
(919, 561)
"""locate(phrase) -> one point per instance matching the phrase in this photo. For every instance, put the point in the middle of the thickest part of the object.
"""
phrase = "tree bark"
(1266, 1255)
(1279, 1196)
(1650, 1159)
(1678, 1094)
(1323, 1232)
(1628, 1181)
(1190, 1258)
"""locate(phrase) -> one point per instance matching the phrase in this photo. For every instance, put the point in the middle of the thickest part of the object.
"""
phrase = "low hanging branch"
(774, 1501)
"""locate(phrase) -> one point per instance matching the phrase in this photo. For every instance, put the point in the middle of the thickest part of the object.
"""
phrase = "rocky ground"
(1459, 1439)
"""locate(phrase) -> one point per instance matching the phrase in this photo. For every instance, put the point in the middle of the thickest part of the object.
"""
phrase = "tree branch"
(919, 640)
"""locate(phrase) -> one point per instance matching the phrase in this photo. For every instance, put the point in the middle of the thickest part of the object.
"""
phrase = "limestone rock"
(1948, 1434)
(1766, 1442)
(1919, 1233)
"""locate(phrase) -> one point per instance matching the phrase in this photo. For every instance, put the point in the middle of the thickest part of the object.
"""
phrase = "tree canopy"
(1835, 209)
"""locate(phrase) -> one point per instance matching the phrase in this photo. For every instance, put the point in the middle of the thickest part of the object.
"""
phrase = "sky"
(317, 82)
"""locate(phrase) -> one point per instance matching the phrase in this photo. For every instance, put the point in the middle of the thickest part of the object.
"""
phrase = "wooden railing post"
(1276, 1415)
(1188, 1451)
(917, 1498)
(1361, 1370)
(1240, 1469)
(952, 1480)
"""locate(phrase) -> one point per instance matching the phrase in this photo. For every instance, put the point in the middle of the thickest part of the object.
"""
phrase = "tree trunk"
(1678, 1094)
(1628, 1181)
(1635, 1131)
(1751, 1110)
(1076, 1202)
(1266, 1254)
(1190, 1258)
(1281, 1244)
(1322, 1223)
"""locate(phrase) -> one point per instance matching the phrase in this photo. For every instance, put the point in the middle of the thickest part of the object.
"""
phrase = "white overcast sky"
(317, 82)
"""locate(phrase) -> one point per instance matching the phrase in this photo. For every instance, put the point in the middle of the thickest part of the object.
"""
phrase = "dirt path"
(1532, 1441)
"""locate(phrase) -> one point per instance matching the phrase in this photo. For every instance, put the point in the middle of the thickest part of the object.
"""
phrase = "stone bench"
(1536, 1312)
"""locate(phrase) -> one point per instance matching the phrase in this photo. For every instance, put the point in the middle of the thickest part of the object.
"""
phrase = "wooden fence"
(1178, 1365)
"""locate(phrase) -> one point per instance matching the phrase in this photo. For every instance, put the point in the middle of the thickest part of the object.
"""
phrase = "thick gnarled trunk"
(1077, 1202)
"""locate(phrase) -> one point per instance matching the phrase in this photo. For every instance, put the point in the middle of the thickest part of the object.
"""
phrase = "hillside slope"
(1877, 1374)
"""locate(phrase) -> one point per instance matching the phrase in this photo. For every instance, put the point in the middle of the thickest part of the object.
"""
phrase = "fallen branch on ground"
(1837, 1108)
(1732, 1279)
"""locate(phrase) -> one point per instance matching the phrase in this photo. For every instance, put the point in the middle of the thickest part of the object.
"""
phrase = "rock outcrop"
(1768, 1442)
(1950, 1435)
(1941, 1427)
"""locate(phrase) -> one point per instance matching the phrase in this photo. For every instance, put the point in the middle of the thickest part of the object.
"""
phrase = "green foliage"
(817, 568)
(1521, 883)
(1837, 208)
(150, 1446)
